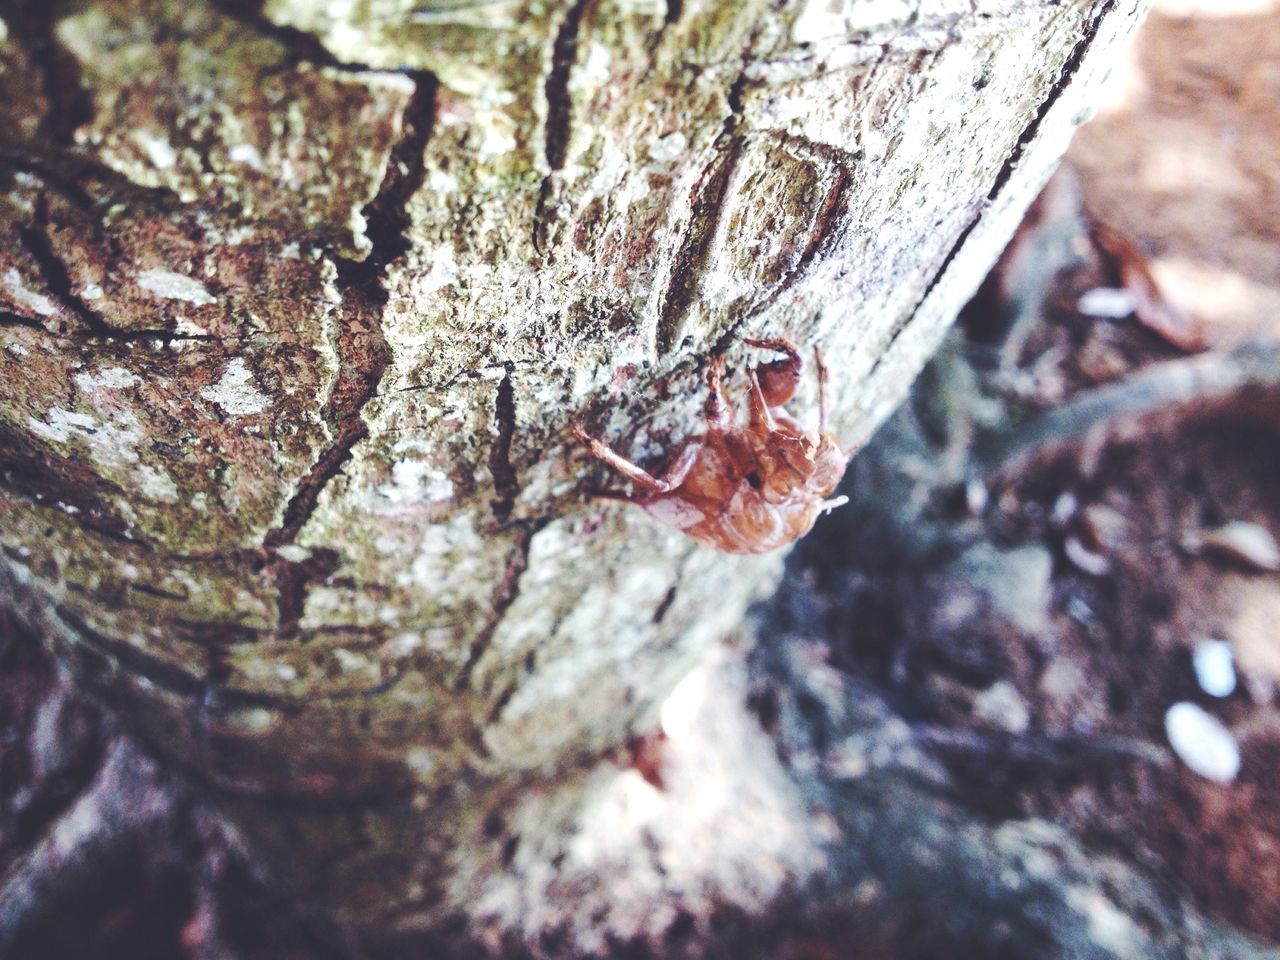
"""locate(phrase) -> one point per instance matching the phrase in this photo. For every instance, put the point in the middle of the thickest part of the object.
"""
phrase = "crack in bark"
(691, 256)
(165, 337)
(363, 353)
(34, 24)
(504, 595)
(299, 45)
(361, 347)
(559, 112)
(97, 655)
(559, 104)
(664, 606)
(66, 173)
(1066, 75)
(292, 579)
(505, 481)
(157, 592)
(495, 712)
(30, 472)
(705, 218)
(54, 272)
(8, 319)
(829, 216)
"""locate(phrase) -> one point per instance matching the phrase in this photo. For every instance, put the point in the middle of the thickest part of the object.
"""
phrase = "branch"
(1204, 379)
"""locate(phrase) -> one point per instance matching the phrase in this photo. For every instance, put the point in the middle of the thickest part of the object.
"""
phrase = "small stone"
(1094, 564)
(1104, 527)
(1109, 303)
(1202, 742)
(976, 497)
(1001, 706)
(1064, 509)
(1215, 667)
(1244, 543)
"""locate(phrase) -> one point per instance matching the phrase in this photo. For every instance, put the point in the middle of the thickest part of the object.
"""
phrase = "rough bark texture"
(298, 303)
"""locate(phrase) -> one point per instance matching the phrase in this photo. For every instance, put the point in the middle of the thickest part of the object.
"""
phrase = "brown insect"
(742, 489)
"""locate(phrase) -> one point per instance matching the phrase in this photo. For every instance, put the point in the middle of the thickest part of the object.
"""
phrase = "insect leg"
(779, 378)
(718, 412)
(671, 478)
(822, 389)
(761, 419)
(600, 493)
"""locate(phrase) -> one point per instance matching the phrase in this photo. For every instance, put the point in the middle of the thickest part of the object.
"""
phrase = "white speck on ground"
(1202, 742)
(1107, 302)
(1215, 667)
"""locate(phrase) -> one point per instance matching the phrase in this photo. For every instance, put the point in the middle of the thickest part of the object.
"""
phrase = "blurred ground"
(1184, 156)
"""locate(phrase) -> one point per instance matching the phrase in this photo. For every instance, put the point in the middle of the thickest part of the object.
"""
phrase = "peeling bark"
(298, 304)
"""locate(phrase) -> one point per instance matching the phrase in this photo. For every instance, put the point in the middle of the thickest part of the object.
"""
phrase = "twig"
(1206, 378)
(1038, 749)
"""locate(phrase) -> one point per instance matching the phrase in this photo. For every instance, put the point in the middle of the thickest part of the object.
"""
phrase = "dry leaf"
(1152, 309)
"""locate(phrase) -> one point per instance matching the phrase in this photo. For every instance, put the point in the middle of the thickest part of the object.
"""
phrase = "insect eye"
(753, 478)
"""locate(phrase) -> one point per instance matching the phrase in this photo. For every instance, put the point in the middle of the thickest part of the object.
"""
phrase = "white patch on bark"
(27, 297)
(110, 444)
(457, 542)
(416, 481)
(834, 19)
(441, 182)
(351, 662)
(247, 154)
(665, 151)
(595, 71)
(155, 484)
(110, 378)
(497, 142)
(59, 425)
(443, 273)
(421, 761)
(235, 392)
(174, 286)
(158, 150)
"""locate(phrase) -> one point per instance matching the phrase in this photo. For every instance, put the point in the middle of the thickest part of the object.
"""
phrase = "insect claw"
(826, 506)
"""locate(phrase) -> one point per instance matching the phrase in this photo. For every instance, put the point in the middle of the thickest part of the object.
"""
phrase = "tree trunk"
(298, 305)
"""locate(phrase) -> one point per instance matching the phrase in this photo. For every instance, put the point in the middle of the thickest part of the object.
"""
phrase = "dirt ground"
(1184, 156)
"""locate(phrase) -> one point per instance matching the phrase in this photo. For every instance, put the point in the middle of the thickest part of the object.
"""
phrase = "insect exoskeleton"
(742, 488)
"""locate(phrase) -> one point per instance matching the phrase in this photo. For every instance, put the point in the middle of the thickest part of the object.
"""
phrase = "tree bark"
(298, 304)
